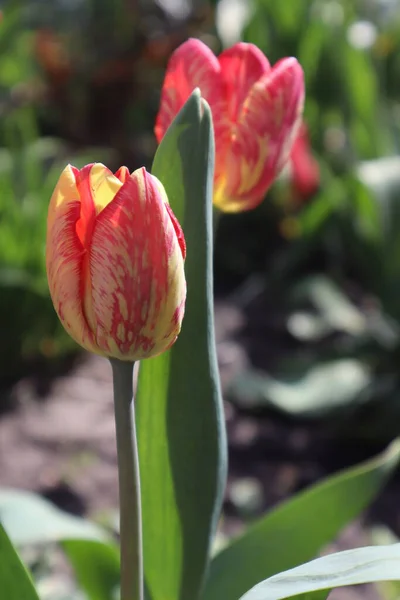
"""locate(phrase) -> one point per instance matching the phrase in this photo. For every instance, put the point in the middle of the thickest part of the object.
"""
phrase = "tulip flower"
(115, 261)
(256, 112)
(304, 168)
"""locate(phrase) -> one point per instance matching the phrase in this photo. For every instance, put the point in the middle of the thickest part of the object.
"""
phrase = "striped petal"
(122, 174)
(262, 137)
(96, 186)
(192, 65)
(136, 271)
(241, 67)
(64, 255)
(174, 220)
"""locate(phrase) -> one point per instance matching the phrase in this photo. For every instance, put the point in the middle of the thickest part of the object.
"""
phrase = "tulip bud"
(256, 111)
(115, 261)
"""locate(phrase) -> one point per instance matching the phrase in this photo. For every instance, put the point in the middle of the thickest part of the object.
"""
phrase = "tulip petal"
(122, 174)
(262, 138)
(241, 67)
(175, 222)
(178, 230)
(64, 255)
(97, 186)
(304, 167)
(104, 186)
(192, 65)
(137, 294)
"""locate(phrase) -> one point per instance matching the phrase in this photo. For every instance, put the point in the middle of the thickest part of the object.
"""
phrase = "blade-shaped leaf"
(15, 582)
(96, 567)
(291, 533)
(182, 446)
(29, 519)
(350, 567)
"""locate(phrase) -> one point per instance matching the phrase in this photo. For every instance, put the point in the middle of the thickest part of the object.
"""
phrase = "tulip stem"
(129, 482)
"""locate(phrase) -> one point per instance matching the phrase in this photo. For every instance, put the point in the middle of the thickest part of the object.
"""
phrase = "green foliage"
(317, 578)
(15, 581)
(346, 234)
(179, 404)
(96, 567)
(32, 521)
(281, 539)
(298, 529)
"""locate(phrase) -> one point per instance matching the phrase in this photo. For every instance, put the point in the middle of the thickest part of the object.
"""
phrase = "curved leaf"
(15, 581)
(350, 567)
(180, 421)
(291, 533)
(96, 567)
(29, 519)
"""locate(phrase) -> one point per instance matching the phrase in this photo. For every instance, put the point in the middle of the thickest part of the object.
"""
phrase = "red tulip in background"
(256, 108)
(304, 168)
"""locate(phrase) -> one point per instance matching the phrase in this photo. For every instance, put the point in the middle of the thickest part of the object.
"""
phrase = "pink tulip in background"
(257, 111)
(305, 173)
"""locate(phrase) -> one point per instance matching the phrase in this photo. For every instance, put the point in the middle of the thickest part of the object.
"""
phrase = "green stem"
(129, 482)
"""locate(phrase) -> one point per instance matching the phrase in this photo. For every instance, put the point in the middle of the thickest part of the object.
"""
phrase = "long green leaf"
(29, 519)
(182, 446)
(15, 582)
(351, 567)
(296, 530)
(96, 567)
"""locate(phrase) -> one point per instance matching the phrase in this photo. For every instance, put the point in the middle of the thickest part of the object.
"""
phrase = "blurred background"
(307, 285)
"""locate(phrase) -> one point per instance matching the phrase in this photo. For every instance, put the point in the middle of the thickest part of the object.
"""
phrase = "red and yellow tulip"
(256, 110)
(115, 261)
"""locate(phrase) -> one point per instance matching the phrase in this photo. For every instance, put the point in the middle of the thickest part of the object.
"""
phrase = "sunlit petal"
(104, 185)
(136, 271)
(122, 174)
(241, 67)
(96, 186)
(64, 255)
(192, 65)
(262, 137)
